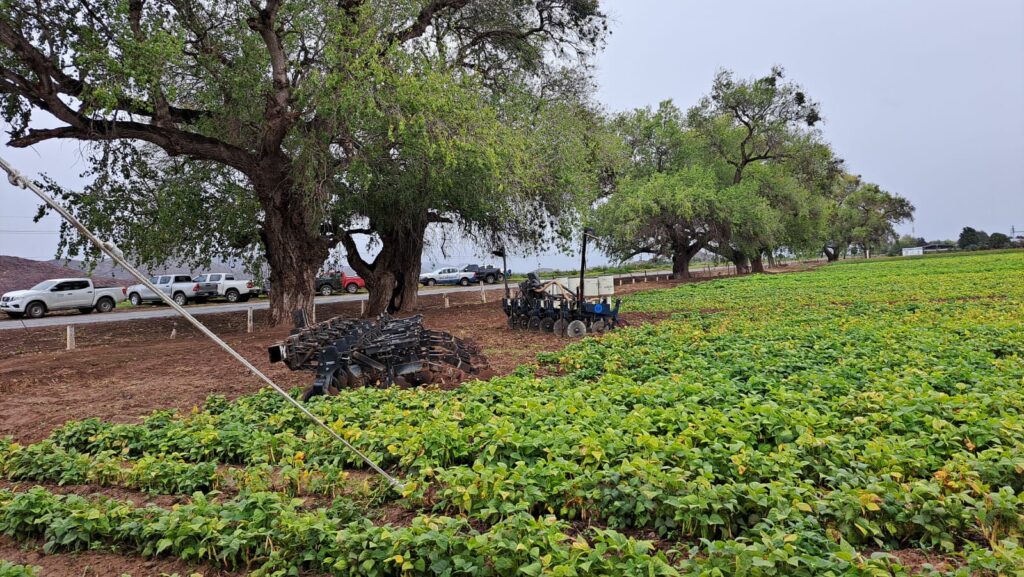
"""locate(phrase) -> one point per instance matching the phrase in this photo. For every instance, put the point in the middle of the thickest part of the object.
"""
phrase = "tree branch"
(425, 18)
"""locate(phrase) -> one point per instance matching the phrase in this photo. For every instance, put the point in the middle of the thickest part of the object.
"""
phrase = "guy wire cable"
(16, 179)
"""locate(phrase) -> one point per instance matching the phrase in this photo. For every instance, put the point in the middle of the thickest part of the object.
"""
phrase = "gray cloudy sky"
(924, 98)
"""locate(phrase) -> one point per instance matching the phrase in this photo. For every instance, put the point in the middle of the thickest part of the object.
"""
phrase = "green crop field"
(835, 422)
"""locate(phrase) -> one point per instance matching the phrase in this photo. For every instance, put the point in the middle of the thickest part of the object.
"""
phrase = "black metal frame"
(381, 352)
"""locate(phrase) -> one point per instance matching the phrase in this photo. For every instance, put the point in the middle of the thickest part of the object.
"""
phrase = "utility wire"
(16, 179)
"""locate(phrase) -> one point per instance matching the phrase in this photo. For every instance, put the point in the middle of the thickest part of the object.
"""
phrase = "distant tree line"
(973, 239)
(744, 174)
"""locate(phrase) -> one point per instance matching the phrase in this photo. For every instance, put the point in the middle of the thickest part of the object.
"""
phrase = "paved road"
(157, 311)
(152, 312)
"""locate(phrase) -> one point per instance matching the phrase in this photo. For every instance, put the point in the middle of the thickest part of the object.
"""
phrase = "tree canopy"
(252, 125)
(744, 174)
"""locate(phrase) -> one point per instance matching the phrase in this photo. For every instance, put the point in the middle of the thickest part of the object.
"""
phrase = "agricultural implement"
(551, 307)
(383, 352)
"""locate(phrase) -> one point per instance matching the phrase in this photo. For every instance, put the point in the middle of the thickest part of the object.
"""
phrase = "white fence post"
(71, 337)
(248, 320)
(483, 294)
(362, 308)
(446, 303)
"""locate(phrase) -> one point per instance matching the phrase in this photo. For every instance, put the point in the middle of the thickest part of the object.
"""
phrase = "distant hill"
(21, 273)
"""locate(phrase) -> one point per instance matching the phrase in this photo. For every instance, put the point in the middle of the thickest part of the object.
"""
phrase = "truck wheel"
(105, 305)
(489, 279)
(85, 310)
(232, 295)
(464, 281)
(181, 299)
(326, 290)
(35, 310)
(352, 288)
(430, 282)
(135, 299)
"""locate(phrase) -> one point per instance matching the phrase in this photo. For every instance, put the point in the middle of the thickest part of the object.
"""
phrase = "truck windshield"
(44, 286)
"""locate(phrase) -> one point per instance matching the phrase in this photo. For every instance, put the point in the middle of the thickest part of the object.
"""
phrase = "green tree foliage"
(241, 128)
(741, 174)
(666, 201)
(969, 238)
(998, 240)
(863, 215)
(768, 120)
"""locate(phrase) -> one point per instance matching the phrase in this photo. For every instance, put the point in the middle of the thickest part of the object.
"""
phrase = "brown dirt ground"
(123, 371)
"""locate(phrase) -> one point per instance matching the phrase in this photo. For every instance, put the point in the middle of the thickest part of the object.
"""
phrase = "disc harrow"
(383, 352)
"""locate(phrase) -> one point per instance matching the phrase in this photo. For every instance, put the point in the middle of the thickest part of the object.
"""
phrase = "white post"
(483, 295)
(71, 337)
(248, 320)
(174, 330)
(362, 308)
(446, 303)
(314, 314)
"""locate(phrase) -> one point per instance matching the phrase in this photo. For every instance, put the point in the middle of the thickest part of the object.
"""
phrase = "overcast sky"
(924, 98)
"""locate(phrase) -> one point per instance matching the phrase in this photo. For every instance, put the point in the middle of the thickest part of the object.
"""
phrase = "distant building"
(928, 248)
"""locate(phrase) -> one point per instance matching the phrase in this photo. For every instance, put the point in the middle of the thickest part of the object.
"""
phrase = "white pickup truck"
(233, 290)
(179, 287)
(60, 294)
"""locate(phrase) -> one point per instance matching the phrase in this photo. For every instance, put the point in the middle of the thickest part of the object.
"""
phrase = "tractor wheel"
(598, 326)
(559, 327)
(533, 324)
(547, 324)
(523, 323)
(576, 329)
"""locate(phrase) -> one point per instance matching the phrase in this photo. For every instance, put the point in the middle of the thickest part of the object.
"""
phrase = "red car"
(339, 281)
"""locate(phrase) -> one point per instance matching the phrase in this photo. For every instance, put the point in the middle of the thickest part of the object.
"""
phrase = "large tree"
(863, 215)
(749, 122)
(270, 102)
(510, 175)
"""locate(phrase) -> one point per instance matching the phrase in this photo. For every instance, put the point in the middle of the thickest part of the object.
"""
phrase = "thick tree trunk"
(741, 263)
(295, 251)
(681, 265)
(683, 252)
(392, 279)
(771, 259)
(757, 263)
